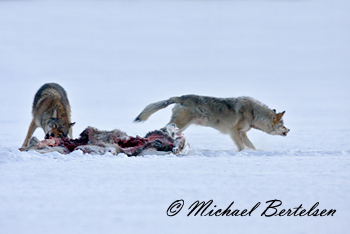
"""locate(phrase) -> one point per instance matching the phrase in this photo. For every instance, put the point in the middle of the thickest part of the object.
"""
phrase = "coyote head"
(56, 128)
(277, 125)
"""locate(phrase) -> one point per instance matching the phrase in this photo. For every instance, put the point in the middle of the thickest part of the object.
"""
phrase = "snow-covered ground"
(115, 57)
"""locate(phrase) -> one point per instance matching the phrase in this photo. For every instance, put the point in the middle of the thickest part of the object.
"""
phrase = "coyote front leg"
(235, 136)
(30, 132)
(246, 141)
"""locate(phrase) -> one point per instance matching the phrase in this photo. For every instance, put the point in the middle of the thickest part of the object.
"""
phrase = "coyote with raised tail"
(232, 116)
(51, 111)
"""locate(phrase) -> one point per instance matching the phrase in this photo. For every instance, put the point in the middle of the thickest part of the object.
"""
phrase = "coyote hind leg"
(181, 117)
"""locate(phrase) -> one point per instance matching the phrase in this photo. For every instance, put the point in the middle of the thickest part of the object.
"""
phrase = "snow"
(115, 57)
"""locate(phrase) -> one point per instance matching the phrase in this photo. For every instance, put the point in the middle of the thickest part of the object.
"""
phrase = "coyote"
(233, 116)
(51, 112)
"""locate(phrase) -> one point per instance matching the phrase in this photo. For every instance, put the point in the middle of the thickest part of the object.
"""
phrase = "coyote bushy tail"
(154, 107)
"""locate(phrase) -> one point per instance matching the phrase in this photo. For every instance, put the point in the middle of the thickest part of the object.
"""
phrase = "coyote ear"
(71, 124)
(280, 115)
